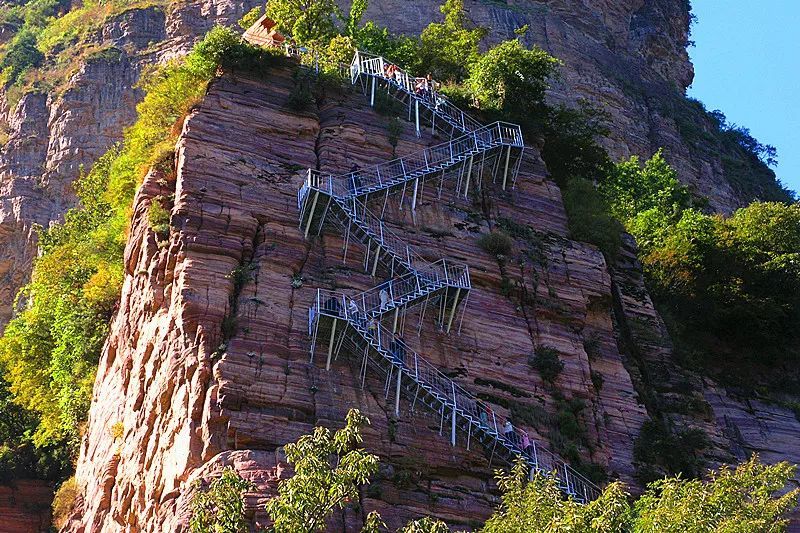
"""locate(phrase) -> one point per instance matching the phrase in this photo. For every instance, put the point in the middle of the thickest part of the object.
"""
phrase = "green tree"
(250, 18)
(21, 55)
(220, 508)
(328, 469)
(357, 10)
(588, 216)
(425, 525)
(539, 505)
(448, 48)
(511, 78)
(401, 49)
(632, 188)
(731, 500)
(306, 21)
(337, 52)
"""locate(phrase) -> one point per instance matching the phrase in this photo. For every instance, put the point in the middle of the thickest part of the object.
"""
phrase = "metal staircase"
(354, 323)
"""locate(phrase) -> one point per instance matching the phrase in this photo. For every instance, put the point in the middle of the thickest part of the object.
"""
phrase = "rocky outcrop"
(51, 136)
(197, 387)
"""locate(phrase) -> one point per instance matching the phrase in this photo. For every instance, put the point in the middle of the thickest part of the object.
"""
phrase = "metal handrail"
(422, 89)
(423, 277)
(447, 392)
(410, 167)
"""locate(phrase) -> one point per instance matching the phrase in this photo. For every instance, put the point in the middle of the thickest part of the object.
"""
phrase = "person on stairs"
(398, 350)
(508, 431)
(352, 311)
(355, 179)
(384, 297)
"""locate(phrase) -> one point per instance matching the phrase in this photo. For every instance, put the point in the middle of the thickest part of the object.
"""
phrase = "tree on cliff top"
(448, 48)
(306, 21)
(512, 79)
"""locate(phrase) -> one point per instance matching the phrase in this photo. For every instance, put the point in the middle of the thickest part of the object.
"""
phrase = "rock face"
(25, 507)
(626, 57)
(193, 393)
(50, 136)
(192, 396)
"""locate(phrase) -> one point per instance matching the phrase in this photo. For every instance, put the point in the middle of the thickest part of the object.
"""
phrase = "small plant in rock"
(63, 502)
(158, 218)
(117, 430)
(297, 281)
(394, 128)
(497, 243)
(547, 362)
(597, 380)
(301, 97)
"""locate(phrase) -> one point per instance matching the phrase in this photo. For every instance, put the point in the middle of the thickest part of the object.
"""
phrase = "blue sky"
(747, 64)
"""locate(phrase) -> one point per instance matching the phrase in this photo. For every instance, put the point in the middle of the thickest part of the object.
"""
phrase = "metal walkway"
(356, 323)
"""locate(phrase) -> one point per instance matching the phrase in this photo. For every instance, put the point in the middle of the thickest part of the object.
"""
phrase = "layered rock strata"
(194, 393)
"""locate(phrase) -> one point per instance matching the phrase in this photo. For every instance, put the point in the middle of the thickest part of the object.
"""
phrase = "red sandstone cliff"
(190, 402)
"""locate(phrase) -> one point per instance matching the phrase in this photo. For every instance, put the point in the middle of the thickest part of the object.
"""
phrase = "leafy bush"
(63, 502)
(21, 55)
(448, 48)
(632, 188)
(320, 484)
(547, 362)
(250, 18)
(589, 218)
(220, 508)
(659, 451)
(301, 97)
(743, 499)
(399, 49)
(496, 243)
(306, 22)
(511, 79)
(158, 218)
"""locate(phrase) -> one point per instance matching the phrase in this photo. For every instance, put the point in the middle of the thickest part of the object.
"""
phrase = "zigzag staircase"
(355, 323)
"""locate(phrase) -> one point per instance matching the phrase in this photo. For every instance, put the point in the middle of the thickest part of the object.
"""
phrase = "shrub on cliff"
(220, 507)
(512, 79)
(328, 471)
(733, 283)
(547, 362)
(305, 21)
(450, 47)
(50, 349)
(20, 56)
(741, 499)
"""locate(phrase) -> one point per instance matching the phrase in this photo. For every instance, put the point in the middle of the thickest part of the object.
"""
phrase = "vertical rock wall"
(196, 385)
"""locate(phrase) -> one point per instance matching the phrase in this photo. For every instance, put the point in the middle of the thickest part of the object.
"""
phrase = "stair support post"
(414, 197)
(372, 93)
(453, 421)
(377, 256)
(330, 345)
(453, 309)
(416, 117)
(311, 213)
(397, 393)
(505, 171)
(469, 174)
